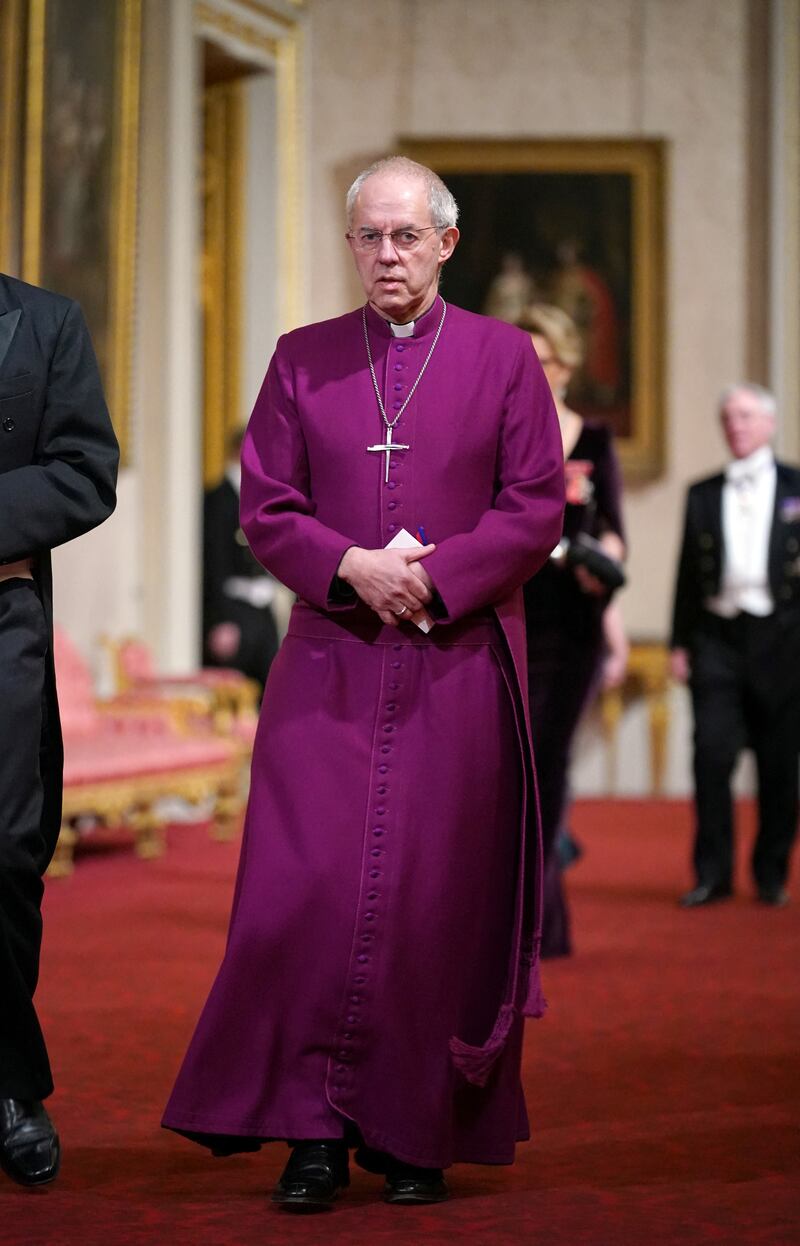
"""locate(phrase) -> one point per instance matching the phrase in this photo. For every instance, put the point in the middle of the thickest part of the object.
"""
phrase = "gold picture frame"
(579, 223)
(10, 66)
(222, 270)
(80, 175)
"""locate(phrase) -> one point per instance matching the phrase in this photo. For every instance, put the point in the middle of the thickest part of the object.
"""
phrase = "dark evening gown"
(565, 654)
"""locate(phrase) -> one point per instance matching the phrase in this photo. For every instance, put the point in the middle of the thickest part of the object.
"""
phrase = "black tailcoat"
(702, 551)
(226, 555)
(58, 467)
(745, 684)
(58, 457)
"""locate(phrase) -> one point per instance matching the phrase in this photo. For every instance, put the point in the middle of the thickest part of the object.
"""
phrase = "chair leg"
(63, 860)
(148, 828)
(227, 809)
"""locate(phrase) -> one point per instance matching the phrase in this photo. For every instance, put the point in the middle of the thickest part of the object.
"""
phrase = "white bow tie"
(743, 475)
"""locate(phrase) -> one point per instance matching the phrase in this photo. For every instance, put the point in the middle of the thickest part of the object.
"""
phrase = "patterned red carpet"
(663, 1085)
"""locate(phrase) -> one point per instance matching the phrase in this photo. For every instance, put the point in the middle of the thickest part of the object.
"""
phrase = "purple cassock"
(383, 946)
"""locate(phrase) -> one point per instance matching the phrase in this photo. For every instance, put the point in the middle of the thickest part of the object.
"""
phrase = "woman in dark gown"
(565, 606)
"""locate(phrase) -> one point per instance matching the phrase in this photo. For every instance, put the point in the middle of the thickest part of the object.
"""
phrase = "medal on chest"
(389, 444)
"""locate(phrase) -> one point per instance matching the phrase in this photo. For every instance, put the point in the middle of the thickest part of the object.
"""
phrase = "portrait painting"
(80, 189)
(578, 225)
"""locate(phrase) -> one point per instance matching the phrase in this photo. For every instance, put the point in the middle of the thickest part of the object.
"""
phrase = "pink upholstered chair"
(119, 763)
(231, 697)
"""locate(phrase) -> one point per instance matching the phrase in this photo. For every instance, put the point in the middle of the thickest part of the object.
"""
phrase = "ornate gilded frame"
(643, 161)
(10, 64)
(222, 269)
(120, 278)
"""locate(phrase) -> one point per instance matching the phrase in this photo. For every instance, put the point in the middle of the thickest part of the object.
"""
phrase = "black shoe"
(568, 849)
(312, 1179)
(410, 1185)
(778, 897)
(29, 1148)
(705, 893)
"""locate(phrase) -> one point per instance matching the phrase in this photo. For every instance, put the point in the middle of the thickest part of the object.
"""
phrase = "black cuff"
(341, 593)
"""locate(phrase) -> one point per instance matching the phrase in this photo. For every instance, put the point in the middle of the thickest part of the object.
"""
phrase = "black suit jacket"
(225, 552)
(702, 550)
(58, 457)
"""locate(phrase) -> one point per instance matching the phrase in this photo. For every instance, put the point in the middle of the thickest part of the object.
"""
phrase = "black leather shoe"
(29, 1148)
(778, 897)
(705, 893)
(410, 1185)
(312, 1179)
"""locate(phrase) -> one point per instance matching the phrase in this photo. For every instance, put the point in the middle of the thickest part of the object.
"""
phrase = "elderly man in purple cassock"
(403, 474)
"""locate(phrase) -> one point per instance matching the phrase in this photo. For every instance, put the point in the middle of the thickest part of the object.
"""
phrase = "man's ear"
(447, 244)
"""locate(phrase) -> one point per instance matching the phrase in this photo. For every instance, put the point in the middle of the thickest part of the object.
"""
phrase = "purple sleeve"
(512, 540)
(277, 511)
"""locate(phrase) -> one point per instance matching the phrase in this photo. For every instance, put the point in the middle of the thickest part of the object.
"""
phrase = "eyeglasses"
(401, 239)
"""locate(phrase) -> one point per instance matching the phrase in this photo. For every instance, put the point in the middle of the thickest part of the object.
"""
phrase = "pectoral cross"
(386, 449)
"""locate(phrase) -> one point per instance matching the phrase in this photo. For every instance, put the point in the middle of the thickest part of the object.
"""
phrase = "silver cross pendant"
(387, 449)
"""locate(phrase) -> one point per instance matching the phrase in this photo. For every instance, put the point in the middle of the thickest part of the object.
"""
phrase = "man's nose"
(387, 251)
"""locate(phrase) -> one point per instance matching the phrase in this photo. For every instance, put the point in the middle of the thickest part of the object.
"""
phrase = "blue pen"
(422, 536)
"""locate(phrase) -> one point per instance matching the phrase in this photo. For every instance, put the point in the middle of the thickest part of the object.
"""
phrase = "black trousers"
(24, 1065)
(563, 675)
(745, 687)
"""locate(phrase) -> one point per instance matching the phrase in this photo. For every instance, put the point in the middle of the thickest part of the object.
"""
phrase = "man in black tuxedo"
(736, 639)
(239, 629)
(58, 467)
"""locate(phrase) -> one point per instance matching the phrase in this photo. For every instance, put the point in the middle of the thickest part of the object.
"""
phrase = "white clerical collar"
(233, 474)
(402, 330)
(753, 465)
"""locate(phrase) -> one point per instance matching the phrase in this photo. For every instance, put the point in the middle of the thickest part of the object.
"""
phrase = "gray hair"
(442, 205)
(765, 396)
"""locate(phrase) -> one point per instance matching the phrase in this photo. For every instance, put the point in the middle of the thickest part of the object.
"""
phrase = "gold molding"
(32, 212)
(290, 155)
(11, 46)
(222, 269)
(122, 232)
(287, 51)
(227, 24)
(269, 12)
(642, 453)
(122, 265)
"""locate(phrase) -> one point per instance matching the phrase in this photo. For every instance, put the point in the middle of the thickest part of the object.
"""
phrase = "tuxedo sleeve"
(217, 560)
(276, 508)
(511, 541)
(70, 486)
(686, 604)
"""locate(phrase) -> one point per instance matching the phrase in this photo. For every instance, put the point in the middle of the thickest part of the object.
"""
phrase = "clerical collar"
(760, 460)
(422, 326)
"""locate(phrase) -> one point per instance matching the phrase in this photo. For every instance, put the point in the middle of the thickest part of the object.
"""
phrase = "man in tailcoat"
(239, 629)
(736, 640)
(58, 466)
(403, 459)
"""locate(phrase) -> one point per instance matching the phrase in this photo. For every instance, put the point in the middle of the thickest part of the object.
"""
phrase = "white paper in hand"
(404, 540)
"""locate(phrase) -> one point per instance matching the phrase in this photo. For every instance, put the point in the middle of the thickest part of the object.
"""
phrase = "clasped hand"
(392, 582)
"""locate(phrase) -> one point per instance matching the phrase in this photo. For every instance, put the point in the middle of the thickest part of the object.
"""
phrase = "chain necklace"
(388, 446)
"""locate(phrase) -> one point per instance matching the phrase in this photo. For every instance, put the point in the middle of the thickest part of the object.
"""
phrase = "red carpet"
(663, 1085)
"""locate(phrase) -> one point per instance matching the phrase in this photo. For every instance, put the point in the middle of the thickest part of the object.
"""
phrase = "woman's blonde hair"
(559, 329)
